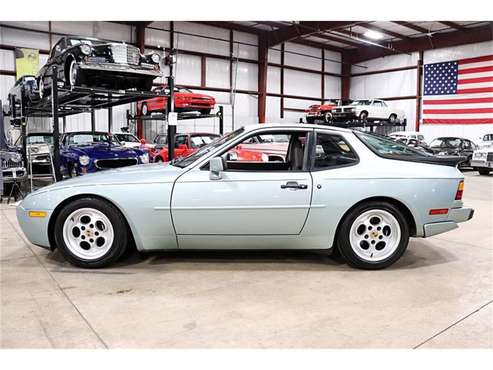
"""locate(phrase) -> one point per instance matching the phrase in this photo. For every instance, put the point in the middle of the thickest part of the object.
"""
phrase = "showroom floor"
(440, 294)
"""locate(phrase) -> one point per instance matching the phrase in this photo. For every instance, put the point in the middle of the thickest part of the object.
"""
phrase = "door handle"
(294, 185)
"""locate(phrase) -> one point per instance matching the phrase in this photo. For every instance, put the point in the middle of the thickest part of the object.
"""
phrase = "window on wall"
(331, 150)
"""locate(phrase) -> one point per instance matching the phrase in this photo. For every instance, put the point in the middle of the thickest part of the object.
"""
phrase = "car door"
(265, 200)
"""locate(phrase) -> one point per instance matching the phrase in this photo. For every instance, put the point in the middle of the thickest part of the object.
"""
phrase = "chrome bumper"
(456, 215)
(481, 164)
(108, 67)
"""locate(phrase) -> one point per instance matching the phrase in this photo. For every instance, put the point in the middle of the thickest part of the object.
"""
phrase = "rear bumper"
(456, 215)
(481, 164)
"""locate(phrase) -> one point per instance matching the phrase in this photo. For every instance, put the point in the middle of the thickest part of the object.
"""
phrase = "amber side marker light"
(460, 190)
(37, 214)
(440, 211)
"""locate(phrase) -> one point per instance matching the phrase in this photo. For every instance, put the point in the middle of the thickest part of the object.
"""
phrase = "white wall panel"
(245, 109)
(409, 108)
(274, 80)
(387, 62)
(156, 38)
(27, 39)
(292, 117)
(163, 25)
(302, 61)
(332, 87)
(274, 56)
(332, 65)
(401, 83)
(458, 52)
(6, 82)
(301, 83)
(273, 109)
(217, 72)
(299, 103)
(246, 76)
(188, 69)
(245, 51)
(187, 42)
(103, 30)
(7, 60)
(471, 132)
(34, 25)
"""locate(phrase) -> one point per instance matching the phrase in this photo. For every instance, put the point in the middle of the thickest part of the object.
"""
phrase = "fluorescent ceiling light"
(373, 35)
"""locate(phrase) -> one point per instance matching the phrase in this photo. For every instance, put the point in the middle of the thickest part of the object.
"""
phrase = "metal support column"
(56, 128)
(221, 119)
(93, 120)
(170, 108)
(110, 115)
(23, 125)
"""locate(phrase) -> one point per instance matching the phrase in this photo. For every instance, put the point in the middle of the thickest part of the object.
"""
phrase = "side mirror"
(216, 166)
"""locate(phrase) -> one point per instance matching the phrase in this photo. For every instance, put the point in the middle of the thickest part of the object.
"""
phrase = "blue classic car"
(84, 152)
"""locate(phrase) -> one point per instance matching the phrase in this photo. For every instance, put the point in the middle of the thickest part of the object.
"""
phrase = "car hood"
(104, 151)
(193, 95)
(141, 174)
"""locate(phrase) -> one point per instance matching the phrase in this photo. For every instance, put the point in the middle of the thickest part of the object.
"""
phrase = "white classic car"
(361, 194)
(368, 110)
(486, 140)
(482, 160)
(129, 140)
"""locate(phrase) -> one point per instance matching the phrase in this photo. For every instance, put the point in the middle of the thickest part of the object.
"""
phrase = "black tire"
(484, 171)
(344, 245)
(363, 116)
(310, 119)
(72, 81)
(393, 118)
(121, 233)
(328, 117)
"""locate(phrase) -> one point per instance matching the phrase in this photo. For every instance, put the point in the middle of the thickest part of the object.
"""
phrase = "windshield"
(445, 142)
(186, 161)
(388, 148)
(40, 139)
(201, 140)
(129, 138)
(88, 139)
(361, 102)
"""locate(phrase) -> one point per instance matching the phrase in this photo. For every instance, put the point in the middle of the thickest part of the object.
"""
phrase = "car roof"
(294, 125)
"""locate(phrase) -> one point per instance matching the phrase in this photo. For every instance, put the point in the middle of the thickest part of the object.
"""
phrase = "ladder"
(44, 176)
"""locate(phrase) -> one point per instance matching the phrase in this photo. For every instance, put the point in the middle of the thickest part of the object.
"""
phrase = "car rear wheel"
(373, 236)
(91, 233)
(73, 74)
(363, 117)
(327, 117)
(484, 171)
(393, 118)
(144, 109)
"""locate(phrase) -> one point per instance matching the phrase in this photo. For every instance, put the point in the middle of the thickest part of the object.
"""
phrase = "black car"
(456, 146)
(30, 86)
(414, 143)
(90, 62)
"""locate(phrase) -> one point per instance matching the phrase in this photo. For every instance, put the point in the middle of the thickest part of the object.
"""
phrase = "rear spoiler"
(443, 160)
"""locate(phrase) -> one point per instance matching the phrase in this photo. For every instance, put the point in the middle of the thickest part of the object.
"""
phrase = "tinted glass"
(446, 142)
(40, 139)
(202, 140)
(332, 151)
(87, 139)
(127, 138)
(388, 148)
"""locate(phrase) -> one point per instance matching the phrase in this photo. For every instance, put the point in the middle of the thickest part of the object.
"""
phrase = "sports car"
(84, 152)
(337, 189)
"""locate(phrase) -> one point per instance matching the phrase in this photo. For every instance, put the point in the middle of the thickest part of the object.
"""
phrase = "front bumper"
(456, 215)
(119, 69)
(35, 228)
(482, 164)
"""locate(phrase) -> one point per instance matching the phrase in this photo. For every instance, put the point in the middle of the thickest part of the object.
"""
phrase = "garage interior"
(438, 295)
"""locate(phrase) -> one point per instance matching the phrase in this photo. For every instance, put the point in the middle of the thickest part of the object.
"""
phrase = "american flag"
(459, 92)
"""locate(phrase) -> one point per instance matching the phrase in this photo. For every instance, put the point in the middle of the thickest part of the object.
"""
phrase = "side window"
(377, 103)
(466, 144)
(331, 151)
(161, 139)
(273, 151)
(181, 140)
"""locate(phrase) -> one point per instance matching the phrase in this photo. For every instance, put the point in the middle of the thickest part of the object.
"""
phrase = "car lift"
(70, 101)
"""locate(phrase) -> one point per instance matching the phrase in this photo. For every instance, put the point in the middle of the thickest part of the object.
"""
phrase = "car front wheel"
(91, 233)
(373, 236)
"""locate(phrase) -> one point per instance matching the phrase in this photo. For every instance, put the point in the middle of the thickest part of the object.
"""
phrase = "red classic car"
(323, 112)
(185, 101)
(186, 144)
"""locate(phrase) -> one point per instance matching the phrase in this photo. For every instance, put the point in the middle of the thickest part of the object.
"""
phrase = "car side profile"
(368, 110)
(358, 193)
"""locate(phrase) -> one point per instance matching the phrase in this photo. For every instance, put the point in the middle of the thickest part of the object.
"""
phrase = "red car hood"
(181, 95)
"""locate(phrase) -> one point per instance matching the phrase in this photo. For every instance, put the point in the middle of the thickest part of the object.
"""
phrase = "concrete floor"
(440, 294)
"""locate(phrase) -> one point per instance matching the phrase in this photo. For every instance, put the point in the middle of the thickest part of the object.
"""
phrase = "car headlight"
(84, 160)
(16, 157)
(144, 158)
(479, 155)
(34, 149)
(156, 58)
(86, 49)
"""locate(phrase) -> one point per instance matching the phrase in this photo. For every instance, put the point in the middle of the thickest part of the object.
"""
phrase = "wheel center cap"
(88, 233)
(374, 234)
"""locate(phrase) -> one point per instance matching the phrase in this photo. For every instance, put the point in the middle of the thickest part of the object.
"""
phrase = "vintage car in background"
(185, 101)
(39, 147)
(90, 62)
(414, 143)
(407, 135)
(368, 110)
(323, 112)
(129, 140)
(455, 146)
(30, 86)
(485, 141)
(185, 144)
(273, 147)
(84, 152)
(13, 169)
(482, 160)
(358, 193)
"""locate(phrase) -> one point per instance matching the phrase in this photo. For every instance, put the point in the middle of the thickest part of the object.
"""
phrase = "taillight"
(460, 190)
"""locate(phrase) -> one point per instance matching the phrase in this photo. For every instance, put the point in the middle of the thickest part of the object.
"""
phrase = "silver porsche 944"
(325, 188)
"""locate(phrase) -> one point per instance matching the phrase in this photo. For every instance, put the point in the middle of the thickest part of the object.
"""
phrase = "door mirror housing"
(216, 166)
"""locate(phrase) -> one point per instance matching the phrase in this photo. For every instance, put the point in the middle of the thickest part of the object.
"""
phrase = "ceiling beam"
(411, 26)
(453, 25)
(372, 27)
(324, 36)
(437, 41)
(304, 28)
(233, 26)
